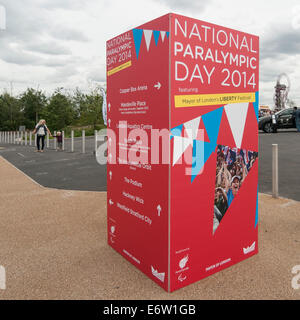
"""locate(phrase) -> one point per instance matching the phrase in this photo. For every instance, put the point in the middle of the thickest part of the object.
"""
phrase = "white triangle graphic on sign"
(148, 36)
(192, 128)
(163, 34)
(180, 145)
(236, 114)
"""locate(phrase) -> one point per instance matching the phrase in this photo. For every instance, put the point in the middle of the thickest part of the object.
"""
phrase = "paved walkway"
(53, 246)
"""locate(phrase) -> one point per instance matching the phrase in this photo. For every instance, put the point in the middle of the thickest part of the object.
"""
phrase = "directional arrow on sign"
(110, 175)
(109, 122)
(110, 140)
(158, 210)
(157, 86)
(109, 106)
(110, 157)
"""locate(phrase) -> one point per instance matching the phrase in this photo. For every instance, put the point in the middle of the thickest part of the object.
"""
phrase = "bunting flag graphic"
(138, 36)
(236, 115)
(148, 37)
(256, 104)
(203, 143)
(156, 36)
(214, 128)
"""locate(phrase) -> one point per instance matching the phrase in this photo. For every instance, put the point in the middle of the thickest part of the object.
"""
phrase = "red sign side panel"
(214, 149)
(138, 102)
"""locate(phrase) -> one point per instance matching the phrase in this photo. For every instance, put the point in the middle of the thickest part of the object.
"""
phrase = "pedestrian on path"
(297, 119)
(59, 139)
(274, 122)
(41, 130)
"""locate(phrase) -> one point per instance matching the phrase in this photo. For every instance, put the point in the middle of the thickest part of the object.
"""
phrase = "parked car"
(285, 119)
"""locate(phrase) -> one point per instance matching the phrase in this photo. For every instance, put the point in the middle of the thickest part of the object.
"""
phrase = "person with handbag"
(41, 130)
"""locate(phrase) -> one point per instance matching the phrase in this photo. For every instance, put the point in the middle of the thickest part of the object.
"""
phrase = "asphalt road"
(59, 169)
(288, 162)
(77, 171)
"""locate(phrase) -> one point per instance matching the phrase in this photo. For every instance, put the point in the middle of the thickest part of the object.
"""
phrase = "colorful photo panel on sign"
(233, 166)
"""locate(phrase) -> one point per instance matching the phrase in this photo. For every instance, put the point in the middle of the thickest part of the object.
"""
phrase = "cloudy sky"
(61, 43)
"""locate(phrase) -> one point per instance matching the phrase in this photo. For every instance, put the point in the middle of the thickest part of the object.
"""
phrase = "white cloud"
(55, 43)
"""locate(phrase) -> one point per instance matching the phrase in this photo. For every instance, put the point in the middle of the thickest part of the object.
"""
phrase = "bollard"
(47, 140)
(54, 141)
(25, 138)
(83, 141)
(96, 142)
(63, 140)
(30, 138)
(18, 137)
(22, 135)
(11, 137)
(275, 170)
(14, 137)
(72, 141)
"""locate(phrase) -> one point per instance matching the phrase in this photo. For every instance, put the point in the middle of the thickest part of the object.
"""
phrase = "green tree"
(88, 107)
(34, 103)
(59, 111)
(11, 112)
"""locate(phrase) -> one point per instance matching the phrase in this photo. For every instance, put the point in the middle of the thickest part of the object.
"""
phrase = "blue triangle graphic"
(256, 216)
(137, 37)
(156, 36)
(167, 34)
(256, 103)
(212, 121)
(198, 157)
(176, 131)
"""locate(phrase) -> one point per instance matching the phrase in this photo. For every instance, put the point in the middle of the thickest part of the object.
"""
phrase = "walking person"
(59, 139)
(41, 130)
(274, 122)
(297, 119)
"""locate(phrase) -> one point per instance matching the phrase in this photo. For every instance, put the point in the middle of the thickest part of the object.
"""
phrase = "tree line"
(61, 109)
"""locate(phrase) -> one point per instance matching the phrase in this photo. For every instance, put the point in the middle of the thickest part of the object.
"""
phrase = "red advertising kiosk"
(182, 169)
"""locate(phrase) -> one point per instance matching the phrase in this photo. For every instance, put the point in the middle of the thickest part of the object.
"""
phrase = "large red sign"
(182, 148)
